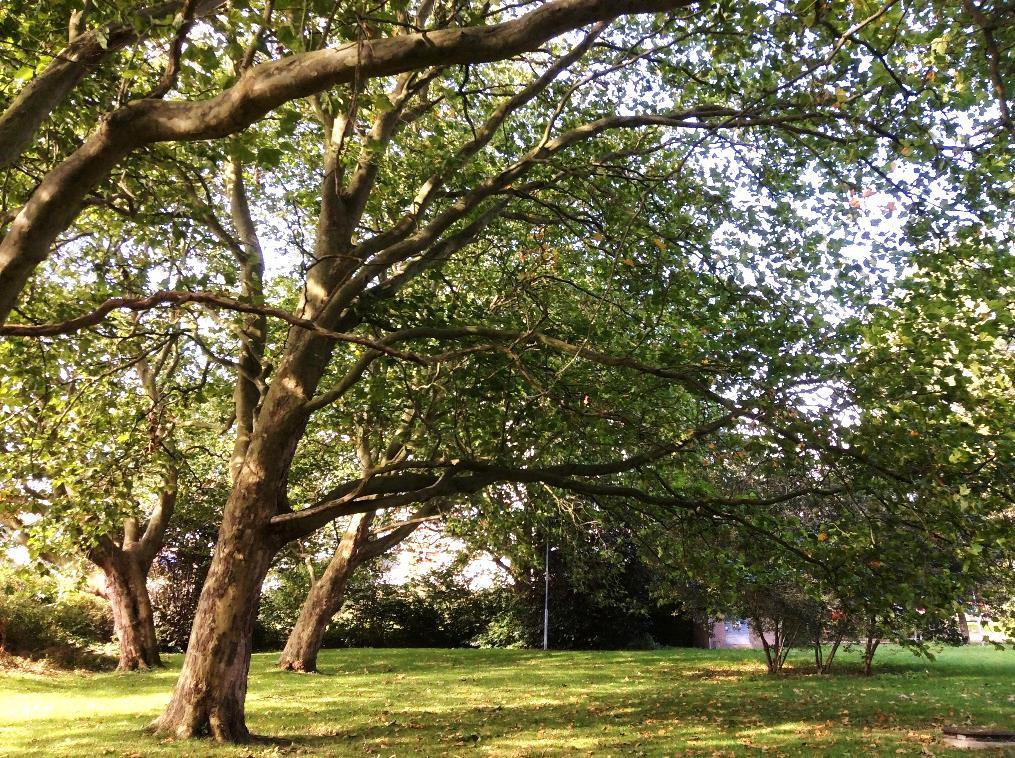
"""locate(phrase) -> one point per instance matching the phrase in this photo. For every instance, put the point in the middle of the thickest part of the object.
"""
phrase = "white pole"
(546, 600)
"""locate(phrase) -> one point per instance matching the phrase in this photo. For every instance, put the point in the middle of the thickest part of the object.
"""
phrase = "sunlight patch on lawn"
(501, 703)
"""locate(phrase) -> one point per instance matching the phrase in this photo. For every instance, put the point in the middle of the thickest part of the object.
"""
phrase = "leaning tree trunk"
(323, 601)
(133, 620)
(209, 695)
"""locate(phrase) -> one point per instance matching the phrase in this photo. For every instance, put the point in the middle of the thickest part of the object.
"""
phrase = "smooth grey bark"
(254, 331)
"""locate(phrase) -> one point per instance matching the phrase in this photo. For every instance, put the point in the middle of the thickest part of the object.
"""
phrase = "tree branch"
(468, 477)
(57, 200)
(381, 544)
(174, 297)
(43, 94)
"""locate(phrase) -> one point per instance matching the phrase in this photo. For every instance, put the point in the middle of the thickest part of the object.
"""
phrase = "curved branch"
(174, 297)
(380, 544)
(57, 200)
(43, 94)
(381, 492)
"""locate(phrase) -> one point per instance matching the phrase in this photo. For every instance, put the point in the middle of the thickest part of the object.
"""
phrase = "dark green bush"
(438, 609)
(281, 601)
(175, 582)
(40, 612)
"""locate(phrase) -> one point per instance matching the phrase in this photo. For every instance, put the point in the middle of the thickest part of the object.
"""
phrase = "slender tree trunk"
(133, 621)
(868, 655)
(323, 601)
(826, 667)
(771, 649)
(787, 641)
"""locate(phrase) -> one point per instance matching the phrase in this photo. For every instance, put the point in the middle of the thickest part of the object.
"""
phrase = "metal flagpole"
(546, 601)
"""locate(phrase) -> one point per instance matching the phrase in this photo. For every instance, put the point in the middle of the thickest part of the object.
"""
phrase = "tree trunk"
(125, 565)
(826, 667)
(771, 649)
(208, 698)
(133, 621)
(868, 655)
(323, 601)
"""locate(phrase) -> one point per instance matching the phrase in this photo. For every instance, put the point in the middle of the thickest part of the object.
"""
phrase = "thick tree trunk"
(133, 621)
(208, 698)
(125, 564)
(323, 601)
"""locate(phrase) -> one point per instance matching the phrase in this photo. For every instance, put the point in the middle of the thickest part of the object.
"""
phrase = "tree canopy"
(636, 251)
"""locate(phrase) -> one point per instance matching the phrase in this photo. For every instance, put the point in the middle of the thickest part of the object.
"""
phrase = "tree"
(327, 592)
(102, 484)
(532, 209)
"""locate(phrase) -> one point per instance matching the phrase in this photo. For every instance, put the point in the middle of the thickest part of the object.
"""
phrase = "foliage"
(42, 613)
(641, 262)
(436, 609)
(285, 590)
(599, 585)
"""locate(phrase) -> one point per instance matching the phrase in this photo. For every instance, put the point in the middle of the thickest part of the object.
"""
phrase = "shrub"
(174, 585)
(438, 609)
(43, 612)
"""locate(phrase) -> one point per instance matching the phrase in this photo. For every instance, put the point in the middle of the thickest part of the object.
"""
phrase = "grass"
(526, 703)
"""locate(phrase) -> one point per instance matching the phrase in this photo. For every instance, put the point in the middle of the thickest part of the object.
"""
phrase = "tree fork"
(133, 620)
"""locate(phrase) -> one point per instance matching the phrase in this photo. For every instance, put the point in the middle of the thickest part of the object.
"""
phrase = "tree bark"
(86, 51)
(209, 696)
(327, 594)
(125, 566)
(324, 600)
(869, 650)
(133, 621)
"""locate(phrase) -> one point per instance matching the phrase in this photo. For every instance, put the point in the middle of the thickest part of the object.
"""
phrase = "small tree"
(364, 540)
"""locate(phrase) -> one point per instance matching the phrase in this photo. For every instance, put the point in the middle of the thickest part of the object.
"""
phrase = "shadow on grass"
(440, 702)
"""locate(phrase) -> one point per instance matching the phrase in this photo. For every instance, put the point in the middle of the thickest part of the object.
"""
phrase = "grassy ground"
(525, 703)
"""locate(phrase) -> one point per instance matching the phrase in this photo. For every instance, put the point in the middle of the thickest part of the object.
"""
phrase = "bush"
(175, 583)
(42, 612)
(281, 601)
(438, 609)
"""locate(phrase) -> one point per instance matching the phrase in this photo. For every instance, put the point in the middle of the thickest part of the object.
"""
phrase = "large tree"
(98, 444)
(561, 243)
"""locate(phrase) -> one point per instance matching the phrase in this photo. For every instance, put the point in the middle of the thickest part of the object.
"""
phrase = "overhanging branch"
(174, 297)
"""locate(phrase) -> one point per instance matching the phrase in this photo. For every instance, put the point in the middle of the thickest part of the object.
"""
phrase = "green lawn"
(526, 703)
